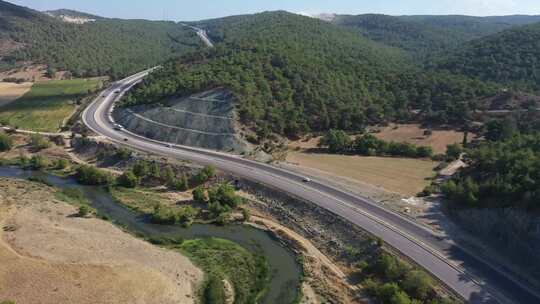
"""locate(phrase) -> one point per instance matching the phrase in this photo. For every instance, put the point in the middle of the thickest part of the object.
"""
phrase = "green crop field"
(48, 104)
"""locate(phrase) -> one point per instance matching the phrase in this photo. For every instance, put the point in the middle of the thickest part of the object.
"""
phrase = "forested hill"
(106, 46)
(511, 57)
(291, 74)
(425, 36)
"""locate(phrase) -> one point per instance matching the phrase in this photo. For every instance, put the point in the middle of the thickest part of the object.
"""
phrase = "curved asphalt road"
(439, 256)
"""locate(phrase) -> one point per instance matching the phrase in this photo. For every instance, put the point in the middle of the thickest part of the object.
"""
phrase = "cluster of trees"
(167, 215)
(388, 279)
(502, 173)
(106, 47)
(221, 200)
(338, 141)
(291, 74)
(90, 175)
(151, 171)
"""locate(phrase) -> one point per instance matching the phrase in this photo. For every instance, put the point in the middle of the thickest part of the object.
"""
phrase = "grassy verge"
(138, 199)
(48, 104)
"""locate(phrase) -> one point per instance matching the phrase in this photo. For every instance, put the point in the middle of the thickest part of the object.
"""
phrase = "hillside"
(291, 74)
(427, 35)
(511, 57)
(107, 46)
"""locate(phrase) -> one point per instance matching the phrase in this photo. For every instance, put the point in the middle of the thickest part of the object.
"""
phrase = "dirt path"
(50, 256)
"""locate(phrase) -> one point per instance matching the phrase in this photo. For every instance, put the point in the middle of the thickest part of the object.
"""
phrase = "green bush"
(6, 142)
(39, 142)
(199, 195)
(61, 164)
(214, 292)
(89, 175)
(418, 284)
(128, 180)
(39, 162)
(165, 215)
(84, 210)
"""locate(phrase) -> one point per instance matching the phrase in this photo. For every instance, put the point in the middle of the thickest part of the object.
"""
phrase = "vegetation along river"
(284, 269)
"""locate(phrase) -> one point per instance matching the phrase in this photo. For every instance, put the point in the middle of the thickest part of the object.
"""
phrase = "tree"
(128, 179)
(141, 168)
(337, 141)
(89, 175)
(39, 162)
(214, 292)
(84, 210)
(39, 142)
(6, 142)
(199, 195)
(418, 284)
(453, 151)
(246, 215)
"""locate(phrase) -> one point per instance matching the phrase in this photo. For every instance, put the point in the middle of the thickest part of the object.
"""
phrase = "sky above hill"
(202, 9)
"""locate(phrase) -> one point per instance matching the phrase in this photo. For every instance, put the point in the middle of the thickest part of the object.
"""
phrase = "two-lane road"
(437, 255)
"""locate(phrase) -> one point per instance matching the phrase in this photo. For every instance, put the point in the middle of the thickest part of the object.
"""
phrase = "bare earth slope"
(48, 256)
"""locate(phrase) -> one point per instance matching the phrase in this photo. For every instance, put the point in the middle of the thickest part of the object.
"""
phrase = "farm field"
(402, 175)
(48, 104)
(414, 134)
(12, 91)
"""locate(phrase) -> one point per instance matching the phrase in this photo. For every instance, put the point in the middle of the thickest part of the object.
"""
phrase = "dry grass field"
(402, 175)
(49, 256)
(11, 91)
(414, 134)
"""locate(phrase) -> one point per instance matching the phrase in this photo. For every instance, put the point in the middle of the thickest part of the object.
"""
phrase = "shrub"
(418, 284)
(205, 174)
(128, 179)
(39, 142)
(165, 215)
(245, 215)
(141, 168)
(181, 184)
(214, 291)
(89, 175)
(199, 195)
(123, 154)
(61, 164)
(6, 142)
(453, 151)
(39, 162)
(84, 210)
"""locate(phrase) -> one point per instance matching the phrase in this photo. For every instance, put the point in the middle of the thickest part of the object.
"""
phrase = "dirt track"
(48, 256)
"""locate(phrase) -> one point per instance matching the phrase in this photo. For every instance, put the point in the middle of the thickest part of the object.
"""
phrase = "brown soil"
(400, 175)
(414, 134)
(49, 256)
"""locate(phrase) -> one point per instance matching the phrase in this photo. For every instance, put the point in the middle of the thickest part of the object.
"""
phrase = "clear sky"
(202, 9)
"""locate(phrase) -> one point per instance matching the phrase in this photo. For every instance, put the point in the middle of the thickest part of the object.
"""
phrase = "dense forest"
(511, 57)
(501, 174)
(425, 37)
(105, 47)
(291, 74)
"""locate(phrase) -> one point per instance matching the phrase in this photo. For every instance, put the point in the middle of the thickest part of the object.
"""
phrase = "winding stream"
(285, 271)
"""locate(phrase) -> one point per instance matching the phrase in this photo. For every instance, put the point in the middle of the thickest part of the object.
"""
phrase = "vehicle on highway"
(118, 127)
(125, 139)
(306, 179)
(169, 145)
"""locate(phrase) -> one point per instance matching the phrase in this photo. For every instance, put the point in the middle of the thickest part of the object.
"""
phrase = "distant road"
(202, 34)
(437, 255)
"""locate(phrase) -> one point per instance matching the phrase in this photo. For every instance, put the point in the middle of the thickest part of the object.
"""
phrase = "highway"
(446, 261)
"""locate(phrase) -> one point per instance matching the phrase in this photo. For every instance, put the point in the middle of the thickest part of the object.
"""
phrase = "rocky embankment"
(205, 120)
